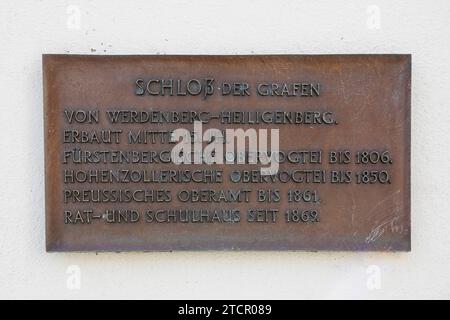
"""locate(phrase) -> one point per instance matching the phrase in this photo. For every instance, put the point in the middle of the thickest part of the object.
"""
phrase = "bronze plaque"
(282, 152)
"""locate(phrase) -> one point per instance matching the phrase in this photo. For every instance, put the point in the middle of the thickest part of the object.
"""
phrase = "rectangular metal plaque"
(288, 152)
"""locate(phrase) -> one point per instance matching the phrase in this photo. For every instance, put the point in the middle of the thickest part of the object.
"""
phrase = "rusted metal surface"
(368, 96)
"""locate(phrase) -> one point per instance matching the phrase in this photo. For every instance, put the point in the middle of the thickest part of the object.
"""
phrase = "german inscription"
(227, 152)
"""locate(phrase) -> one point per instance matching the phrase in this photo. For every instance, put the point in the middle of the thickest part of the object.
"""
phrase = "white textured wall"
(30, 28)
